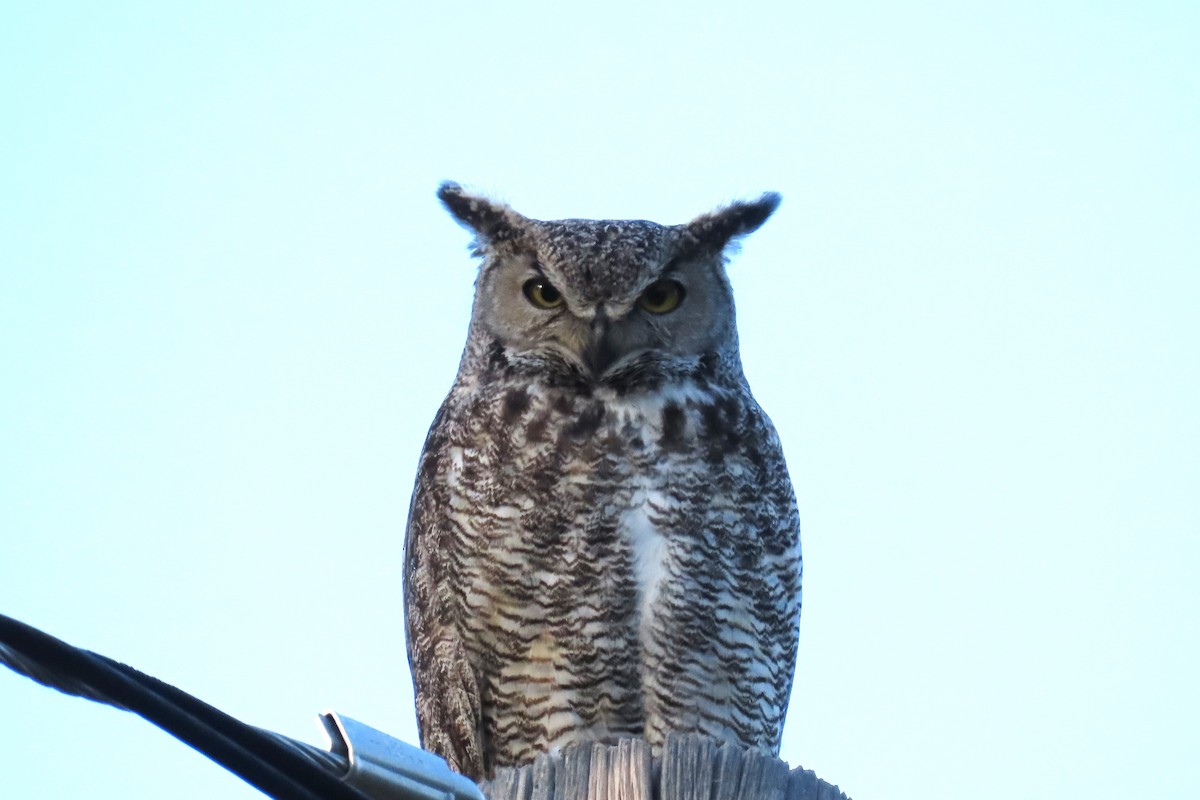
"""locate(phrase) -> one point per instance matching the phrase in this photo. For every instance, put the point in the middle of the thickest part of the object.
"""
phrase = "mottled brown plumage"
(603, 539)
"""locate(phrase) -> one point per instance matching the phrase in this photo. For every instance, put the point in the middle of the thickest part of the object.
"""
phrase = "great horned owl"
(603, 540)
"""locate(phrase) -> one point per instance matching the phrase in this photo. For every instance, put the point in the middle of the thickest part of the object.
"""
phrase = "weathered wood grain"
(690, 768)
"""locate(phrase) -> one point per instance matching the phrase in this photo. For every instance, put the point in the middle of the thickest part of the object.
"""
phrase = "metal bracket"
(389, 769)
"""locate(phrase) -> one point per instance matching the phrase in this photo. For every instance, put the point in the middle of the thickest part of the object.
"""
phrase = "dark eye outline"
(671, 301)
(541, 293)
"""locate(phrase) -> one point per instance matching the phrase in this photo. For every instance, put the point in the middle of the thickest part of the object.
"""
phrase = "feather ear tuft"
(491, 221)
(715, 229)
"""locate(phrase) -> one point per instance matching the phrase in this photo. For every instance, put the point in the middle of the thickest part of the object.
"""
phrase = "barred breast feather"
(602, 566)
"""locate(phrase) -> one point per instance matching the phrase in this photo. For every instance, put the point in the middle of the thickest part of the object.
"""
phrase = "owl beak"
(600, 351)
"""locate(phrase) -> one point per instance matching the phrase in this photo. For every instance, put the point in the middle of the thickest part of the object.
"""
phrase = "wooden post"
(690, 768)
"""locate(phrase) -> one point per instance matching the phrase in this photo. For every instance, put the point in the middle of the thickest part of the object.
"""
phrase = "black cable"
(263, 759)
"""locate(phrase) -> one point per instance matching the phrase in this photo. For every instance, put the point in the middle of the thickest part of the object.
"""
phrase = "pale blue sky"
(230, 305)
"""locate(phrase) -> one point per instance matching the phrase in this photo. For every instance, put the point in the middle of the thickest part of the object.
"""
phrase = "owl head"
(603, 302)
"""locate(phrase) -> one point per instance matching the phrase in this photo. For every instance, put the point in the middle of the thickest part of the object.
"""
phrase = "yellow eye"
(542, 293)
(662, 296)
